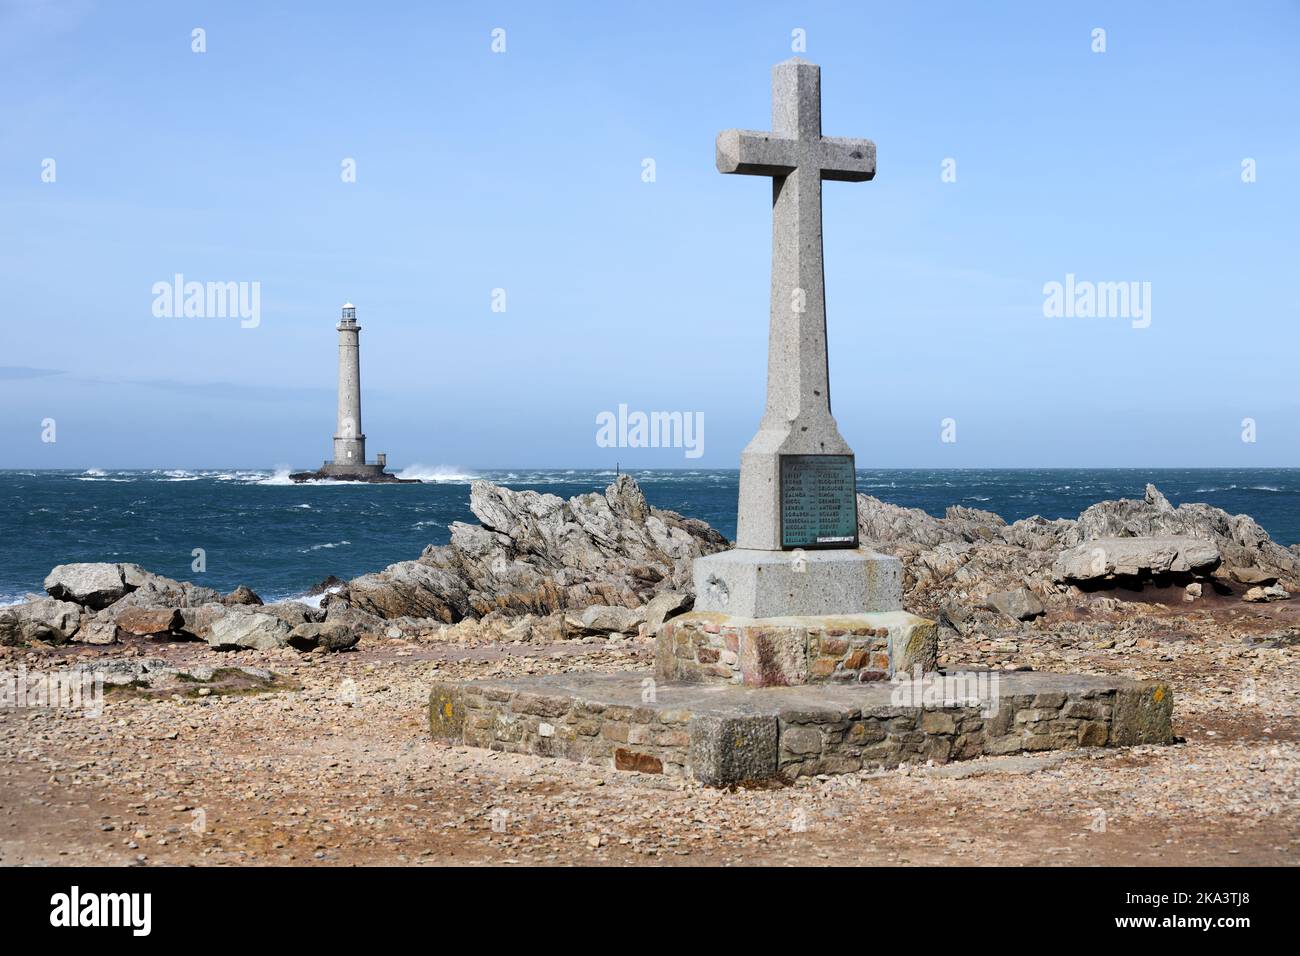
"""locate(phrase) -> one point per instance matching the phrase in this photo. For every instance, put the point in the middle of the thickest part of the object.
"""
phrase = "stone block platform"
(722, 735)
(711, 648)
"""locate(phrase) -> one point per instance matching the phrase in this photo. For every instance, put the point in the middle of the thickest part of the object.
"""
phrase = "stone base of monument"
(722, 735)
(785, 618)
(706, 647)
(751, 583)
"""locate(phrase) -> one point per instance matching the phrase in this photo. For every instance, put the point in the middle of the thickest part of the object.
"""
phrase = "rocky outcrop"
(538, 567)
(538, 553)
(965, 555)
(103, 585)
(1242, 543)
(410, 589)
(158, 678)
(968, 555)
(103, 602)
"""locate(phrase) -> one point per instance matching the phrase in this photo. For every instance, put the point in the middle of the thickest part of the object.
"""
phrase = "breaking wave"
(448, 474)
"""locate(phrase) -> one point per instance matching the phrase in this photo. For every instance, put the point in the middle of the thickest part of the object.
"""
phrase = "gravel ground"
(342, 771)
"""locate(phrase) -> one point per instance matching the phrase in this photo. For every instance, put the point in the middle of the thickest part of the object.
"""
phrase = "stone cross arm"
(754, 153)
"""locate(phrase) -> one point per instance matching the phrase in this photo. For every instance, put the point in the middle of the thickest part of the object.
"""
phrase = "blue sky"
(522, 170)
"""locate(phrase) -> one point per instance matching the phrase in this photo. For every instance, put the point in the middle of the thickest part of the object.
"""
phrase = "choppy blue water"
(259, 529)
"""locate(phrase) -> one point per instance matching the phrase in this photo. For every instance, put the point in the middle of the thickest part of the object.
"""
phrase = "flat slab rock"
(1107, 558)
(723, 735)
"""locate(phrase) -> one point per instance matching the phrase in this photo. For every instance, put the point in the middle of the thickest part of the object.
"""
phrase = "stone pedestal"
(752, 583)
(705, 647)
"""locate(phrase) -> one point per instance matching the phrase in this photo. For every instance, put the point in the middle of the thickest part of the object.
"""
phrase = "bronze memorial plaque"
(819, 505)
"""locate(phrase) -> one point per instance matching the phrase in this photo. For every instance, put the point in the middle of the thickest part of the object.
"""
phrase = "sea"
(256, 527)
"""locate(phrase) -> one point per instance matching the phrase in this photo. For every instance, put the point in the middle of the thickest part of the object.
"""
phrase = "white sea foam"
(449, 474)
(330, 544)
(313, 600)
(324, 482)
(99, 474)
(279, 477)
(243, 476)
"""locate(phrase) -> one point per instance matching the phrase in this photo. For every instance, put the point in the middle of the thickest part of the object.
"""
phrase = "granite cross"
(797, 417)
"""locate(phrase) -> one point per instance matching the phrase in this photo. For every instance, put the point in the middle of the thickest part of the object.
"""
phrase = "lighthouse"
(349, 439)
(349, 462)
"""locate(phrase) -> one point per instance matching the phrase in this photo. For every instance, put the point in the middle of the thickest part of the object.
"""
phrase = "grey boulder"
(359, 621)
(100, 629)
(293, 613)
(1021, 604)
(47, 620)
(328, 636)
(664, 606)
(100, 585)
(1252, 577)
(248, 629)
(146, 622)
(242, 595)
(198, 620)
(1260, 595)
(161, 592)
(95, 585)
(1105, 559)
(606, 619)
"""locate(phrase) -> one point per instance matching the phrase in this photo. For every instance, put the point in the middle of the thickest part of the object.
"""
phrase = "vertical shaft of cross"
(798, 382)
